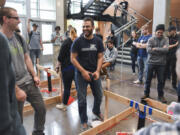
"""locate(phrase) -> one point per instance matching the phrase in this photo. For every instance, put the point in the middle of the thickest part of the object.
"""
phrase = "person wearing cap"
(171, 56)
(163, 128)
(35, 42)
(157, 49)
(56, 39)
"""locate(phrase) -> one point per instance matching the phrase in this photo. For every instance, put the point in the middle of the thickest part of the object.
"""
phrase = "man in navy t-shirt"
(142, 54)
(87, 57)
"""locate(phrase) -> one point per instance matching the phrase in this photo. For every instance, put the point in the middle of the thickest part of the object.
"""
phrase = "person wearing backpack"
(35, 42)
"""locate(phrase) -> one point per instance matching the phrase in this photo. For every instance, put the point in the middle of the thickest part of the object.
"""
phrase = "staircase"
(123, 50)
(93, 9)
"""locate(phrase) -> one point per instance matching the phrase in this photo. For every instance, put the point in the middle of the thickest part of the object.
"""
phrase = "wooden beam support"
(156, 113)
(109, 123)
(156, 104)
(106, 100)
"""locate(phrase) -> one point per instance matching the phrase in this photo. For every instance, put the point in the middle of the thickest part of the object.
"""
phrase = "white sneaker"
(61, 107)
(137, 82)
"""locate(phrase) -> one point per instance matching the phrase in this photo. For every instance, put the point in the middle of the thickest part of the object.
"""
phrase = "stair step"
(124, 52)
(124, 61)
(124, 57)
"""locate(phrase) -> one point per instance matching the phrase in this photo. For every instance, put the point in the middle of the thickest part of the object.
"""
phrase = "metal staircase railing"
(132, 19)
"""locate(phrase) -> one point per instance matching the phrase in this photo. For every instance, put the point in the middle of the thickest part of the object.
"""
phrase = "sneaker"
(133, 73)
(85, 127)
(162, 99)
(145, 96)
(99, 117)
(61, 107)
(137, 82)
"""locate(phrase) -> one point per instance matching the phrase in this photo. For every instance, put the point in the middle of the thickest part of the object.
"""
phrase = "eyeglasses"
(13, 17)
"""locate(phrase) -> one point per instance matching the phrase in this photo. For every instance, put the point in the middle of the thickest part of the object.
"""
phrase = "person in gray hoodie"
(109, 57)
(157, 50)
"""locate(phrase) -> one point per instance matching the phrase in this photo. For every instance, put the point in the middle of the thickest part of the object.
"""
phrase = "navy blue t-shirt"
(142, 51)
(87, 51)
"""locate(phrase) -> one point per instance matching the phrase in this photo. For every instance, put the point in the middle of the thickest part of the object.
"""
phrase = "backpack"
(19, 38)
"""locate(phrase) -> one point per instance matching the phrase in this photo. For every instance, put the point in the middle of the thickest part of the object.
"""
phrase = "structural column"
(161, 13)
(61, 14)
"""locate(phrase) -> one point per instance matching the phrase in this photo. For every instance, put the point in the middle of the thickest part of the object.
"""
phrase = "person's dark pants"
(67, 77)
(96, 87)
(178, 91)
(35, 98)
(171, 66)
(159, 69)
(133, 61)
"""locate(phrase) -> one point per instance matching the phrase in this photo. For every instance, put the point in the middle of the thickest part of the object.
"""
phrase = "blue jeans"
(159, 69)
(96, 88)
(178, 89)
(141, 65)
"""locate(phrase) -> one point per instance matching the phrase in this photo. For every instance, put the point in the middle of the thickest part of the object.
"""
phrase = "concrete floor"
(68, 123)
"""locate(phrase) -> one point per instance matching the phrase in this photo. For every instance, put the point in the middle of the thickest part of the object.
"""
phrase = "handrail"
(137, 13)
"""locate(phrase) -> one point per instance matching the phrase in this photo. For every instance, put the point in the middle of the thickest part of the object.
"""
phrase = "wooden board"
(108, 123)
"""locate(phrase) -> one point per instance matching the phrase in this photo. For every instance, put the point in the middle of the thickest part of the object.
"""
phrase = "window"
(43, 9)
(46, 37)
(19, 5)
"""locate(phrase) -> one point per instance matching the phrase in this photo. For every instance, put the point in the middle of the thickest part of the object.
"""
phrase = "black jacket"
(64, 54)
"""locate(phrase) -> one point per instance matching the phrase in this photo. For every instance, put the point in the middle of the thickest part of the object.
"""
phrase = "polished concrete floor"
(67, 123)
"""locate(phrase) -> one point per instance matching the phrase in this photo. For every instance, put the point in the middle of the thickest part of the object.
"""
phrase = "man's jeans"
(141, 65)
(96, 88)
(36, 100)
(159, 69)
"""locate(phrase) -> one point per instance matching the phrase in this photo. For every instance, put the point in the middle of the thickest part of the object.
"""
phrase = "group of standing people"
(156, 56)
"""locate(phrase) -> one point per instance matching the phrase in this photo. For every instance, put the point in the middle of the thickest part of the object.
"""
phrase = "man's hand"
(86, 76)
(21, 95)
(96, 75)
(153, 49)
(36, 80)
(177, 43)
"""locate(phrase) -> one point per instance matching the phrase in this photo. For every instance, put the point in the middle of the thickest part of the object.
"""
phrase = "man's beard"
(87, 33)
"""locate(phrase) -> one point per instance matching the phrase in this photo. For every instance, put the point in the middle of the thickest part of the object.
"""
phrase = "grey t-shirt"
(17, 51)
(35, 40)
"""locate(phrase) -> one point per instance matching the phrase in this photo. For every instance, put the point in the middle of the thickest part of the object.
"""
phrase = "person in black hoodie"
(132, 43)
(67, 69)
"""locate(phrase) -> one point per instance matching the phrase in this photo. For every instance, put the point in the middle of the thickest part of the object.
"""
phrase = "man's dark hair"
(160, 27)
(35, 25)
(89, 19)
(110, 41)
(57, 27)
(5, 11)
(171, 28)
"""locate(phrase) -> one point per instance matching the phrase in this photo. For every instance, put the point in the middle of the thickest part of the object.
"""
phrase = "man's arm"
(84, 72)
(99, 65)
(53, 39)
(174, 45)
(30, 68)
(178, 63)
(163, 49)
(28, 26)
(41, 44)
